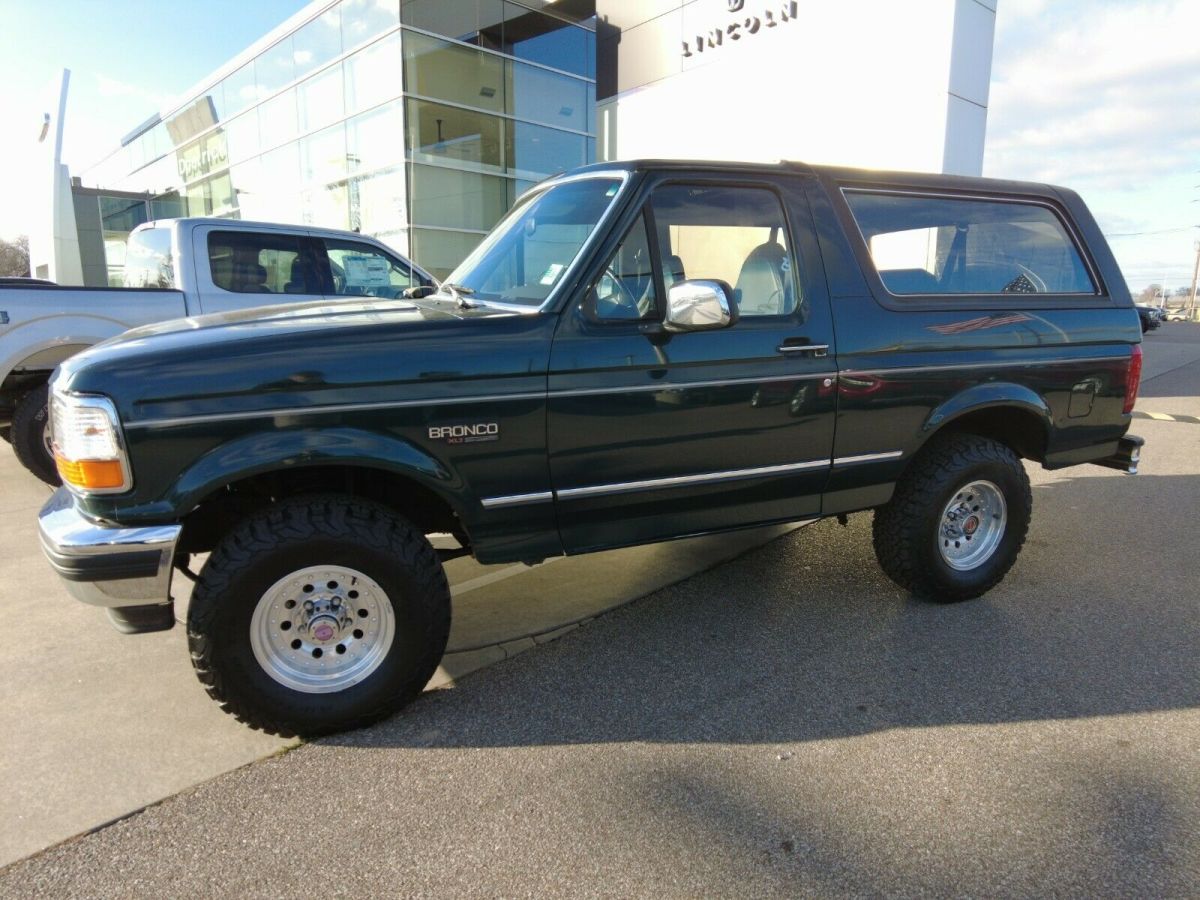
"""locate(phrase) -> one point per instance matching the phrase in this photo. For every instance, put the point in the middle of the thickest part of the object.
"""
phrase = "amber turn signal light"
(90, 474)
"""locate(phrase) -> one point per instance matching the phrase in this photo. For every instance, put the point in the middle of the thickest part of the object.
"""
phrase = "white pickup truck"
(176, 268)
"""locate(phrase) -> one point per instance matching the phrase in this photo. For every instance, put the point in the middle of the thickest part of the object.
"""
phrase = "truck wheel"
(31, 435)
(957, 520)
(321, 614)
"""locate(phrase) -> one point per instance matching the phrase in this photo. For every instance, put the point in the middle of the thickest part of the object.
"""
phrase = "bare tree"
(14, 256)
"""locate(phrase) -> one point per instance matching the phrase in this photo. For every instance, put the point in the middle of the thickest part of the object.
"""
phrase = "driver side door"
(654, 434)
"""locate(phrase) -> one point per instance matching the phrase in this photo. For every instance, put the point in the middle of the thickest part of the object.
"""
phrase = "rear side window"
(148, 260)
(938, 245)
(245, 262)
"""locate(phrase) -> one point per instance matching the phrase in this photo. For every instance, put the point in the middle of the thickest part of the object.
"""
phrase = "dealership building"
(421, 121)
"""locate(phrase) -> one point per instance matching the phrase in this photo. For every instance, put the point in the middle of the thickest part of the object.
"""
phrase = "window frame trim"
(1098, 296)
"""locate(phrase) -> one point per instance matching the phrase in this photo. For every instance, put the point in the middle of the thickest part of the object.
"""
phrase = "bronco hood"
(306, 354)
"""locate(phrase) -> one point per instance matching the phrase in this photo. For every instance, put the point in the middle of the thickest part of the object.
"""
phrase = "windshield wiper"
(459, 292)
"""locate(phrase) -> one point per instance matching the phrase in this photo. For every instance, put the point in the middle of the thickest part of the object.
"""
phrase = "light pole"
(1195, 272)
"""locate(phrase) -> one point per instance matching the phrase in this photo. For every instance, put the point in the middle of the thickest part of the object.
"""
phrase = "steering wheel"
(618, 302)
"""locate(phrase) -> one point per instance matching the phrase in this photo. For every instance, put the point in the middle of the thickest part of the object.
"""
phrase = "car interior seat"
(764, 285)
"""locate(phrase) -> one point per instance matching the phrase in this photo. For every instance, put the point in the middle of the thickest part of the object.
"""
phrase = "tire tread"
(296, 520)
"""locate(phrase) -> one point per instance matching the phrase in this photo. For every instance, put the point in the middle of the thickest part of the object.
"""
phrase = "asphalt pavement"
(786, 724)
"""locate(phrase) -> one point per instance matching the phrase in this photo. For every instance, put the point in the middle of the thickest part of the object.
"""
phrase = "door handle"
(801, 345)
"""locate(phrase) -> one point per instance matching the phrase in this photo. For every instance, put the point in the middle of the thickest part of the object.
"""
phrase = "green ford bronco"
(637, 352)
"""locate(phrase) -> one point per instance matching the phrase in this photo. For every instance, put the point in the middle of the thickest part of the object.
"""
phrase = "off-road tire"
(326, 529)
(905, 530)
(28, 426)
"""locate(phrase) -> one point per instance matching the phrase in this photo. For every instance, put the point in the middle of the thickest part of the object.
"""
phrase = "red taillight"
(1133, 377)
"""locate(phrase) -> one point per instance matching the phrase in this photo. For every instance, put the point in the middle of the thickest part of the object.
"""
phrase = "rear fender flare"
(981, 397)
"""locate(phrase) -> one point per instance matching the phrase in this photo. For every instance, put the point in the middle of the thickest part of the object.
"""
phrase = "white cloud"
(1105, 98)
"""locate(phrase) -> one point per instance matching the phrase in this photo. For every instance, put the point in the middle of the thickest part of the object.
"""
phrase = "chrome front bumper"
(107, 565)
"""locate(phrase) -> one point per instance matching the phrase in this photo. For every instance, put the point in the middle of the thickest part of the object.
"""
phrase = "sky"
(1102, 96)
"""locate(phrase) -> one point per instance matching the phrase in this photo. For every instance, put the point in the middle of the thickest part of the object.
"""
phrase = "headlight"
(88, 447)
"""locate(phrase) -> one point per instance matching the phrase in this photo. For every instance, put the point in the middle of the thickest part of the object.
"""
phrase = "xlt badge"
(465, 434)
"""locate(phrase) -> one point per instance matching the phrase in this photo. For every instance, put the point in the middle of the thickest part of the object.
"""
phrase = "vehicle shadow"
(804, 639)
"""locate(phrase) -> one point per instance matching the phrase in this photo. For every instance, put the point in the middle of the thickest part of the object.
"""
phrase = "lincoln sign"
(743, 24)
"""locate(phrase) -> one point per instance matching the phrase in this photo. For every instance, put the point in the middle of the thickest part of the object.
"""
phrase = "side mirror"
(418, 292)
(700, 306)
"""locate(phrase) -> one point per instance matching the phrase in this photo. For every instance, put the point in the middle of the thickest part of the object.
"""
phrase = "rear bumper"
(107, 565)
(1127, 456)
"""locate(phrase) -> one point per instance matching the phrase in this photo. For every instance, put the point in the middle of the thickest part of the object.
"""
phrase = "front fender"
(259, 453)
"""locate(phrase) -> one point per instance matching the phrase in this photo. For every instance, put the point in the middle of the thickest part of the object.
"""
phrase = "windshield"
(527, 253)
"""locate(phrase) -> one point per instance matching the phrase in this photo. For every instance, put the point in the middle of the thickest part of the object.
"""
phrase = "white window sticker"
(366, 271)
(552, 273)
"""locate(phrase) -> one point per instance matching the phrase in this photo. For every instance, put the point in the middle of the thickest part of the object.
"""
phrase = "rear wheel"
(957, 520)
(31, 435)
(321, 614)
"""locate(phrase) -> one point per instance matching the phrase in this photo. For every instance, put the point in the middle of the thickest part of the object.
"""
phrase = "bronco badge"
(465, 434)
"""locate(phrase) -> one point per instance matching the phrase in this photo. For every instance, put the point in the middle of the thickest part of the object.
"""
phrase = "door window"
(360, 270)
(625, 289)
(733, 234)
(247, 262)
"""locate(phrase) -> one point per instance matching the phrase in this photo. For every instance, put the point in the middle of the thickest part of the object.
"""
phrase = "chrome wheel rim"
(322, 629)
(972, 525)
(48, 439)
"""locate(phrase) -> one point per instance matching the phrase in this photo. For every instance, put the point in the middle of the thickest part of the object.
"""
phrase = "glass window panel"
(323, 155)
(377, 202)
(477, 22)
(550, 98)
(317, 42)
(458, 137)
(216, 96)
(156, 178)
(543, 39)
(375, 139)
(239, 90)
(451, 72)
(148, 259)
(253, 263)
(625, 290)
(453, 199)
(363, 19)
(360, 270)
(246, 184)
(320, 99)
(440, 252)
(731, 234)
(274, 67)
(121, 213)
(279, 199)
(537, 151)
(374, 74)
(326, 206)
(528, 252)
(168, 206)
(931, 245)
(277, 119)
(220, 192)
(241, 136)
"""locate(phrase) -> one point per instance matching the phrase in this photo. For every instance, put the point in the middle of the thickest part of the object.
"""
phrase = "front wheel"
(957, 520)
(31, 435)
(318, 615)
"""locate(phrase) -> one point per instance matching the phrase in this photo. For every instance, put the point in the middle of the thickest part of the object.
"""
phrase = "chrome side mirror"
(700, 306)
